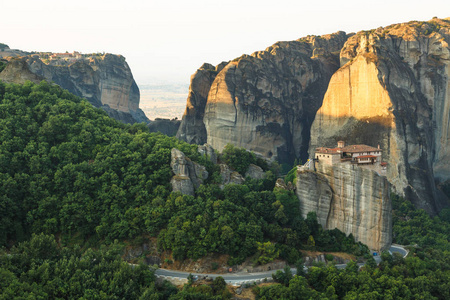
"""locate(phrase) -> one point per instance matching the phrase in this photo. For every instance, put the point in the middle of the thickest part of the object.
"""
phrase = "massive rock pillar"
(350, 198)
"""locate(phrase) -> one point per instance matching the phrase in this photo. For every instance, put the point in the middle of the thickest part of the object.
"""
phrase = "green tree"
(238, 158)
(267, 252)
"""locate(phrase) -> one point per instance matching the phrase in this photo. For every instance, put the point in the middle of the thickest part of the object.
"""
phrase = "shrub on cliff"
(238, 158)
(2, 65)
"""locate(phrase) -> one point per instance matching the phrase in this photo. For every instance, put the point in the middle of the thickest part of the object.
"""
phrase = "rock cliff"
(192, 128)
(393, 89)
(264, 102)
(389, 86)
(105, 81)
(353, 199)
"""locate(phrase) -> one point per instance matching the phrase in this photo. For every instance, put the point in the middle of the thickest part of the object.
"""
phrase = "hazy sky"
(168, 40)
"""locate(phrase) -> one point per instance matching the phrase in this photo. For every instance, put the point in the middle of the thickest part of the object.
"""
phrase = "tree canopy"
(66, 168)
(70, 171)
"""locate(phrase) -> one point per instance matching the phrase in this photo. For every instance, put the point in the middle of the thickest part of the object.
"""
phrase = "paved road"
(398, 249)
(244, 277)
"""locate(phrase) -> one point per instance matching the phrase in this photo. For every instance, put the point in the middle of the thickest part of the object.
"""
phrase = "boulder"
(188, 175)
(230, 176)
(255, 172)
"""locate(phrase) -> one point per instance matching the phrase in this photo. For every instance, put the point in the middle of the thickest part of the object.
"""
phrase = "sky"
(165, 42)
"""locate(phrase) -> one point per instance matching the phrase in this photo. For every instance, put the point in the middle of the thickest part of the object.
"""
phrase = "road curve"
(244, 277)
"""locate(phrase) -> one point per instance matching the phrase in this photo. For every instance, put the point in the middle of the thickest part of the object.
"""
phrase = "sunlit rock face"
(18, 71)
(393, 90)
(353, 199)
(264, 102)
(106, 81)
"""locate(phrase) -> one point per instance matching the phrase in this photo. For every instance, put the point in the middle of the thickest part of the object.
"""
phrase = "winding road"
(244, 277)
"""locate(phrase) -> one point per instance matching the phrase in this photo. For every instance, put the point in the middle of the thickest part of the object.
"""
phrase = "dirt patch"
(312, 257)
(212, 263)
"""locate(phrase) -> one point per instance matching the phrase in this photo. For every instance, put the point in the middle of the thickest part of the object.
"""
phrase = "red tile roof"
(348, 149)
(359, 148)
(366, 156)
(328, 150)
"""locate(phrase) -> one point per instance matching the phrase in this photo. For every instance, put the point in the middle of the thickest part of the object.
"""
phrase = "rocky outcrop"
(18, 71)
(188, 175)
(229, 176)
(105, 81)
(165, 126)
(209, 152)
(280, 184)
(255, 172)
(264, 102)
(350, 198)
(393, 89)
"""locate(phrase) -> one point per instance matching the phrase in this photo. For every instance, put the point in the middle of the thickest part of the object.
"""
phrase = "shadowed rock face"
(192, 129)
(353, 199)
(264, 102)
(393, 90)
(104, 81)
(165, 126)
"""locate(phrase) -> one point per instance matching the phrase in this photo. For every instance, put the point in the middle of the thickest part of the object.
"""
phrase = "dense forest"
(423, 274)
(76, 184)
(68, 169)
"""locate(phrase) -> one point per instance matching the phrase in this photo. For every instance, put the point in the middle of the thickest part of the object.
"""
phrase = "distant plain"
(167, 101)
